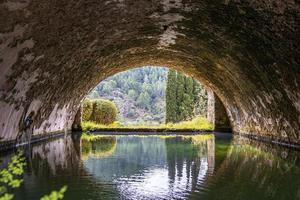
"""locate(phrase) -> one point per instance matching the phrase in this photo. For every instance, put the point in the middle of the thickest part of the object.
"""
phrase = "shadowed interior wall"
(76, 126)
(222, 122)
(53, 52)
(216, 113)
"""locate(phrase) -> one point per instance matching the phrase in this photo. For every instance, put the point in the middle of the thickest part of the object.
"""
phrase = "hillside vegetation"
(148, 95)
(138, 93)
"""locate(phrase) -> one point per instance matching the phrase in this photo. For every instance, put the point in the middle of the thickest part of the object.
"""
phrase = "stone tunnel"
(52, 53)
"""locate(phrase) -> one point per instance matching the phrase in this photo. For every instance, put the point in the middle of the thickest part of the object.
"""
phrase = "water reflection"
(160, 167)
(189, 159)
(254, 170)
(98, 147)
(155, 167)
(60, 154)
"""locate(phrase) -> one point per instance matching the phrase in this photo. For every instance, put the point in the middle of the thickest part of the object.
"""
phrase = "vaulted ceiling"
(53, 52)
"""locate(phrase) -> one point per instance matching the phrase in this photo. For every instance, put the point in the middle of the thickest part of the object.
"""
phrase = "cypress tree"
(180, 96)
(186, 108)
(185, 97)
(196, 91)
(189, 86)
(171, 99)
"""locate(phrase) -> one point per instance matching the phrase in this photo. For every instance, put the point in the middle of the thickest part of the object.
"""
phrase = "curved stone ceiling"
(53, 52)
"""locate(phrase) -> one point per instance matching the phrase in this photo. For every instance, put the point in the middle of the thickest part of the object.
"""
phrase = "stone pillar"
(77, 121)
(216, 113)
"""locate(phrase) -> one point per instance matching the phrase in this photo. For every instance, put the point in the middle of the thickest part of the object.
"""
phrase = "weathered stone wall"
(76, 126)
(216, 113)
(53, 52)
(222, 122)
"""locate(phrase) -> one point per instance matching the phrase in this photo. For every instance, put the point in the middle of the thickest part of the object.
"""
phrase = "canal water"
(160, 167)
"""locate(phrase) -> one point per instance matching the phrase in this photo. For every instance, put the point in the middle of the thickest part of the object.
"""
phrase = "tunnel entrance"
(246, 52)
(151, 98)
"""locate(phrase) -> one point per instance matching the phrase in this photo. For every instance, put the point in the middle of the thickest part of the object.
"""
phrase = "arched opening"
(153, 97)
(57, 105)
(51, 57)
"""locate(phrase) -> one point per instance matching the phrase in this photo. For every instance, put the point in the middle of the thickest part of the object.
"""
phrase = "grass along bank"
(198, 123)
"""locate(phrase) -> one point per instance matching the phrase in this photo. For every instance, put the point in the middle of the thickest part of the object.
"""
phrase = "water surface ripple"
(160, 167)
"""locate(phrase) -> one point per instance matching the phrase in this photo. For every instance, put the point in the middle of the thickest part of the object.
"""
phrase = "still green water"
(160, 167)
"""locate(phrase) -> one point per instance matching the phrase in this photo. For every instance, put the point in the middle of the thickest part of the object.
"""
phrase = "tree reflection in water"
(57, 163)
(156, 167)
(98, 146)
(160, 167)
(254, 170)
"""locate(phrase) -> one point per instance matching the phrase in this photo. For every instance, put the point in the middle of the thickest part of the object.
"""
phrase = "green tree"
(189, 87)
(94, 95)
(132, 94)
(186, 108)
(180, 95)
(144, 100)
(184, 96)
(187, 104)
(109, 86)
(171, 97)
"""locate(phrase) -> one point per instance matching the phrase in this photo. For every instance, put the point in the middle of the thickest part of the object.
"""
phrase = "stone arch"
(52, 53)
(217, 113)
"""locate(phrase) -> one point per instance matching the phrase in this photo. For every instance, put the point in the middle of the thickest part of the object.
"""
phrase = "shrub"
(87, 109)
(104, 112)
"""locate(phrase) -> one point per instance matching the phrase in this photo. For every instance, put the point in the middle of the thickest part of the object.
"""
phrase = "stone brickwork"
(216, 113)
(222, 122)
(52, 53)
(76, 126)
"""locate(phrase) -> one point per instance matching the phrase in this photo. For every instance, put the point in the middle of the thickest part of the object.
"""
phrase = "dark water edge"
(161, 167)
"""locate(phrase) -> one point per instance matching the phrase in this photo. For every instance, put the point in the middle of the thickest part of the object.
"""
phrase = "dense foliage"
(87, 108)
(104, 111)
(10, 178)
(100, 111)
(138, 93)
(185, 98)
(153, 95)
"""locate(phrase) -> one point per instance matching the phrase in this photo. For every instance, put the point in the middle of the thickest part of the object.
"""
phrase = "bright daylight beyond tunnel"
(150, 98)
